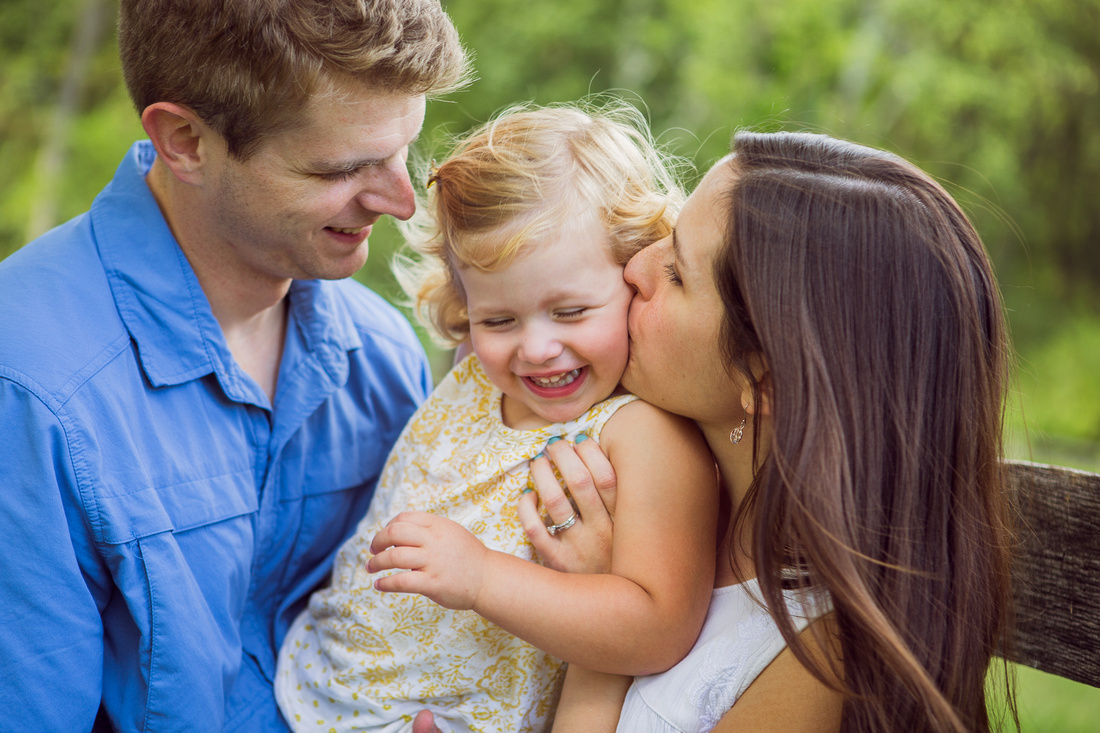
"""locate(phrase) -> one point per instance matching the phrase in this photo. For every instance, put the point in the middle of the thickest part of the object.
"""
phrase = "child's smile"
(558, 385)
(558, 380)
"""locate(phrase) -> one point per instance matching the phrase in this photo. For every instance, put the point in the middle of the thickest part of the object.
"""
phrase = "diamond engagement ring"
(555, 528)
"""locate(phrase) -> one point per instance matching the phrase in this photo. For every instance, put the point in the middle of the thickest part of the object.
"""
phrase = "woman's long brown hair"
(873, 302)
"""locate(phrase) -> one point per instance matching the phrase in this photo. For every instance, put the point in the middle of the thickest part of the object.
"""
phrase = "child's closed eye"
(570, 313)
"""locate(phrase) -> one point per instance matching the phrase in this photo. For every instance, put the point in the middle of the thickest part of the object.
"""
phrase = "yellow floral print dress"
(358, 659)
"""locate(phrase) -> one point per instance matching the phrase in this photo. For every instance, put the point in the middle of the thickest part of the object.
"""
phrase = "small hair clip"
(434, 177)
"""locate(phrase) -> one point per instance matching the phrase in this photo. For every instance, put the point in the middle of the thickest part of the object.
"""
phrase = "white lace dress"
(739, 639)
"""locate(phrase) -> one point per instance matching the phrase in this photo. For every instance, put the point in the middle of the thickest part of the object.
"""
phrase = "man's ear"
(181, 139)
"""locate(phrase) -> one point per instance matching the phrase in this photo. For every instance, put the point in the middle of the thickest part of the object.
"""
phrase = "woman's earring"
(738, 432)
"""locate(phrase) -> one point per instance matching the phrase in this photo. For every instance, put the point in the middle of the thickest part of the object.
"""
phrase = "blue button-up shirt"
(161, 523)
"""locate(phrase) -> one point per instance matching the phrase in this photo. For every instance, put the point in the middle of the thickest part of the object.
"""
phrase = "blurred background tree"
(1001, 101)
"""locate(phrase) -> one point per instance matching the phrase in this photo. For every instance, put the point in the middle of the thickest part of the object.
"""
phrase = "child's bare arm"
(640, 619)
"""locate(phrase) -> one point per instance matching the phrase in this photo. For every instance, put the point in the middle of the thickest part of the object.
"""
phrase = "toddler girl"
(531, 221)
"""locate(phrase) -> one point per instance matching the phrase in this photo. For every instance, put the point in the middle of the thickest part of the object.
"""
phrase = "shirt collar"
(165, 309)
(322, 317)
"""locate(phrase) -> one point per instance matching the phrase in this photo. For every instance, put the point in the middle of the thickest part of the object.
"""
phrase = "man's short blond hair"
(248, 68)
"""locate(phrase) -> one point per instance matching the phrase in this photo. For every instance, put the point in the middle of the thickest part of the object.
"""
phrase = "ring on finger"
(553, 529)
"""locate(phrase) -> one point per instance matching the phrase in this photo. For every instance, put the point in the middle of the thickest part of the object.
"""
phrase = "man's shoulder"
(57, 314)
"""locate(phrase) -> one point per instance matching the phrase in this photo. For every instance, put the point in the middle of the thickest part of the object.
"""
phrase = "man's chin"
(340, 269)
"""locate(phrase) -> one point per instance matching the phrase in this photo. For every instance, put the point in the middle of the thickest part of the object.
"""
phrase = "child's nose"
(539, 346)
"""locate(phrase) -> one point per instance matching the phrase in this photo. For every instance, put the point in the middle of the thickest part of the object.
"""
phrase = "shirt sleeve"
(51, 635)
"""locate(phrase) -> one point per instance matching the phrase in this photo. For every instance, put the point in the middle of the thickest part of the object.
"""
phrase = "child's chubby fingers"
(399, 545)
(409, 582)
(396, 557)
(407, 528)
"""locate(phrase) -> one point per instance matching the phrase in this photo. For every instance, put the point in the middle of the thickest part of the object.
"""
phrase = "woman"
(828, 316)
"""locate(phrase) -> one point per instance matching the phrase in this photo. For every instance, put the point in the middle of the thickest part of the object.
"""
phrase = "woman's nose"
(639, 271)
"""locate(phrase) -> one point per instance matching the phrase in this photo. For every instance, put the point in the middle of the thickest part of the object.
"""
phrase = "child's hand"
(444, 560)
(585, 547)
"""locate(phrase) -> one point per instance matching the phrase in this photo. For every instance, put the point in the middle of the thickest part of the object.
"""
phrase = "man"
(194, 405)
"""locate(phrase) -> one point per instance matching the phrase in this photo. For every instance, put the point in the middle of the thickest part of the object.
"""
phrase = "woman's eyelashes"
(671, 275)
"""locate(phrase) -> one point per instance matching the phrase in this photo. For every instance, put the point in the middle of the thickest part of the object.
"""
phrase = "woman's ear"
(762, 376)
(181, 139)
(764, 406)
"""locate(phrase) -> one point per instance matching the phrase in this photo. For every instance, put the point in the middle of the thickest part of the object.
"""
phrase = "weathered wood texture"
(1058, 570)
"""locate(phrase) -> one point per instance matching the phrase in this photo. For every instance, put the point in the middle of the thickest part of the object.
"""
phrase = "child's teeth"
(557, 381)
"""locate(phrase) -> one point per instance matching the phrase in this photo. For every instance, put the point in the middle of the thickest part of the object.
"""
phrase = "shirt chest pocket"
(177, 508)
(180, 557)
(196, 537)
(198, 534)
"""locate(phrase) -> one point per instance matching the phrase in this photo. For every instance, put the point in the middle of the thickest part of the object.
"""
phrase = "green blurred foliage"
(1001, 101)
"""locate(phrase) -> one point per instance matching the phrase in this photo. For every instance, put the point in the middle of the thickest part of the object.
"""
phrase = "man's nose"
(391, 192)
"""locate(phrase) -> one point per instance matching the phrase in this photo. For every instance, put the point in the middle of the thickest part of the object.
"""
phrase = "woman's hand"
(585, 546)
(444, 560)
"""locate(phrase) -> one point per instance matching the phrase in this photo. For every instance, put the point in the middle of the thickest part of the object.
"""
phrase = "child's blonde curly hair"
(515, 181)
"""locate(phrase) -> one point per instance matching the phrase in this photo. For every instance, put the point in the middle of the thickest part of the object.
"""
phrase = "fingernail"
(581, 437)
(538, 455)
(528, 490)
(553, 440)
